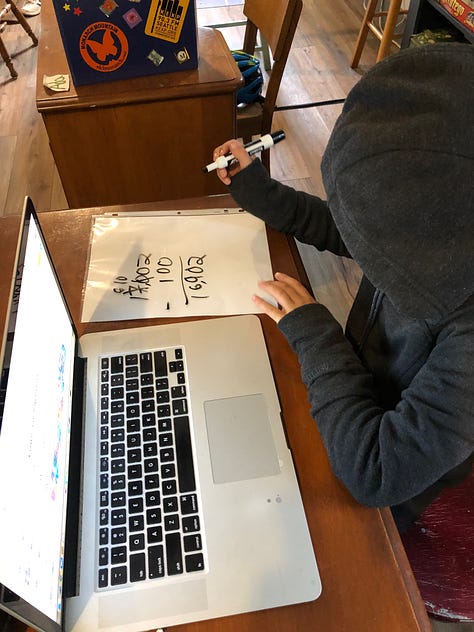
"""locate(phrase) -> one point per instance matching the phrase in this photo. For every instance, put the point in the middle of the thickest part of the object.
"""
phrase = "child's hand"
(236, 148)
(288, 293)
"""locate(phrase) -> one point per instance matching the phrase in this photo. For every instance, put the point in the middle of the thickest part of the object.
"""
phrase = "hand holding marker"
(255, 146)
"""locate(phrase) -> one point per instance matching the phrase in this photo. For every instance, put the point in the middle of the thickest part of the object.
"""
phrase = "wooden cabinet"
(143, 139)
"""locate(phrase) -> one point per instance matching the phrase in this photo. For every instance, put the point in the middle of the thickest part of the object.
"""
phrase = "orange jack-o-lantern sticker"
(103, 46)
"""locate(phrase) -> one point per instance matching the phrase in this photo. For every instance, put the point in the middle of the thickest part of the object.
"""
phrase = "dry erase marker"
(265, 142)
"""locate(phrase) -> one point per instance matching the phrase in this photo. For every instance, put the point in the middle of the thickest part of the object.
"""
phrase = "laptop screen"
(35, 426)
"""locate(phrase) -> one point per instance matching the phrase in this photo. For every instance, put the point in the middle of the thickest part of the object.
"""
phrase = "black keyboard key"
(116, 380)
(131, 384)
(118, 499)
(182, 433)
(156, 562)
(189, 504)
(146, 365)
(117, 393)
(137, 567)
(118, 575)
(178, 354)
(136, 542)
(152, 481)
(180, 407)
(172, 522)
(135, 505)
(166, 455)
(149, 434)
(118, 466)
(116, 364)
(117, 421)
(117, 434)
(118, 535)
(178, 391)
(103, 578)
(136, 523)
(133, 425)
(104, 498)
(168, 470)
(118, 555)
(164, 425)
(103, 536)
(152, 499)
(153, 516)
(192, 543)
(154, 534)
(135, 488)
(131, 359)
(161, 383)
(162, 397)
(135, 471)
(117, 406)
(131, 371)
(103, 556)
(118, 516)
(118, 482)
(149, 420)
(169, 487)
(174, 557)
(132, 398)
(194, 562)
(117, 450)
(190, 524)
(151, 465)
(161, 369)
(170, 504)
(150, 449)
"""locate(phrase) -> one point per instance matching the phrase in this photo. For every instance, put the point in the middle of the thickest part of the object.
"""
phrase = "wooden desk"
(367, 582)
(143, 139)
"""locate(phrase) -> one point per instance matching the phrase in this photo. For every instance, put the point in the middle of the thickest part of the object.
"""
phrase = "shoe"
(31, 8)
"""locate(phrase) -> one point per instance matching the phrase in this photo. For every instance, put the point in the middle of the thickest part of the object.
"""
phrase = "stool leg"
(7, 59)
(21, 19)
(364, 29)
(389, 29)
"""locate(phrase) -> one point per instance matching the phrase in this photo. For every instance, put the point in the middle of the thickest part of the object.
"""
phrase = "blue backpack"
(249, 66)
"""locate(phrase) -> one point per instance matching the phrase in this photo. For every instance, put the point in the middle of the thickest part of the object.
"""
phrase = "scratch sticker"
(103, 46)
(166, 18)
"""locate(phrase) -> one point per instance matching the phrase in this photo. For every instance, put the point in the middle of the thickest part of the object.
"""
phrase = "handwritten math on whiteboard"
(188, 264)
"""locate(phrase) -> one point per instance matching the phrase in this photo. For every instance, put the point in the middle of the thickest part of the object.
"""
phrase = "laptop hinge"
(75, 468)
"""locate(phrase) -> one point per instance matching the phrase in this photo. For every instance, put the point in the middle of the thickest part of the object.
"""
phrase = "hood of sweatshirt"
(399, 177)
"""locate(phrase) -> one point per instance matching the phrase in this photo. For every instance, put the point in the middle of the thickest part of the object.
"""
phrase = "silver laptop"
(145, 478)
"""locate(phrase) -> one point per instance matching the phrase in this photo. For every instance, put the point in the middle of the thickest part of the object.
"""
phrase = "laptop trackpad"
(240, 439)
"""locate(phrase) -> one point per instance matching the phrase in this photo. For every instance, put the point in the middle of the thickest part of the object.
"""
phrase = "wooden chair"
(5, 11)
(276, 21)
(386, 37)
(440, 548)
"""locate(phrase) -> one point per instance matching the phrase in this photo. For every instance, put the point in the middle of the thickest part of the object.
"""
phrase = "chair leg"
(7, 59)
(21, 20)
(363, 32)
(389, 29)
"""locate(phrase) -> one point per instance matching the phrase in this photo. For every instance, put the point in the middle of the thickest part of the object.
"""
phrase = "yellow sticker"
(165, 19)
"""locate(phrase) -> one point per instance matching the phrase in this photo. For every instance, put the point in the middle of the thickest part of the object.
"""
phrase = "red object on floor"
(440, 547)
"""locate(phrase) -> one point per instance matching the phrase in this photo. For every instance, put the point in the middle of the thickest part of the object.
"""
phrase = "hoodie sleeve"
(385, 457)
(292, 212)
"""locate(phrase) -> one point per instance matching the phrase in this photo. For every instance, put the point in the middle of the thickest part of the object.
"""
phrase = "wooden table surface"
(367, 582)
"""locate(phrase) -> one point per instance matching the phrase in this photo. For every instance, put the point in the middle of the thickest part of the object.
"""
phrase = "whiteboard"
(185, 263)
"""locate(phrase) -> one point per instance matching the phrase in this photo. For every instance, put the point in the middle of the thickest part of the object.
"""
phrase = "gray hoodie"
(393, 395)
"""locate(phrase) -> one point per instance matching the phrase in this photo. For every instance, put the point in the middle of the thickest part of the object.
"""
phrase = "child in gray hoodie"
(393, 395)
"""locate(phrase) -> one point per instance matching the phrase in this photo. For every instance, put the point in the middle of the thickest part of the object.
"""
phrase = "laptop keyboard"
(149, 517)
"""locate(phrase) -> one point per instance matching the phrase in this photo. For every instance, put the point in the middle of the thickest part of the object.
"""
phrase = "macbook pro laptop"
(145, 478)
